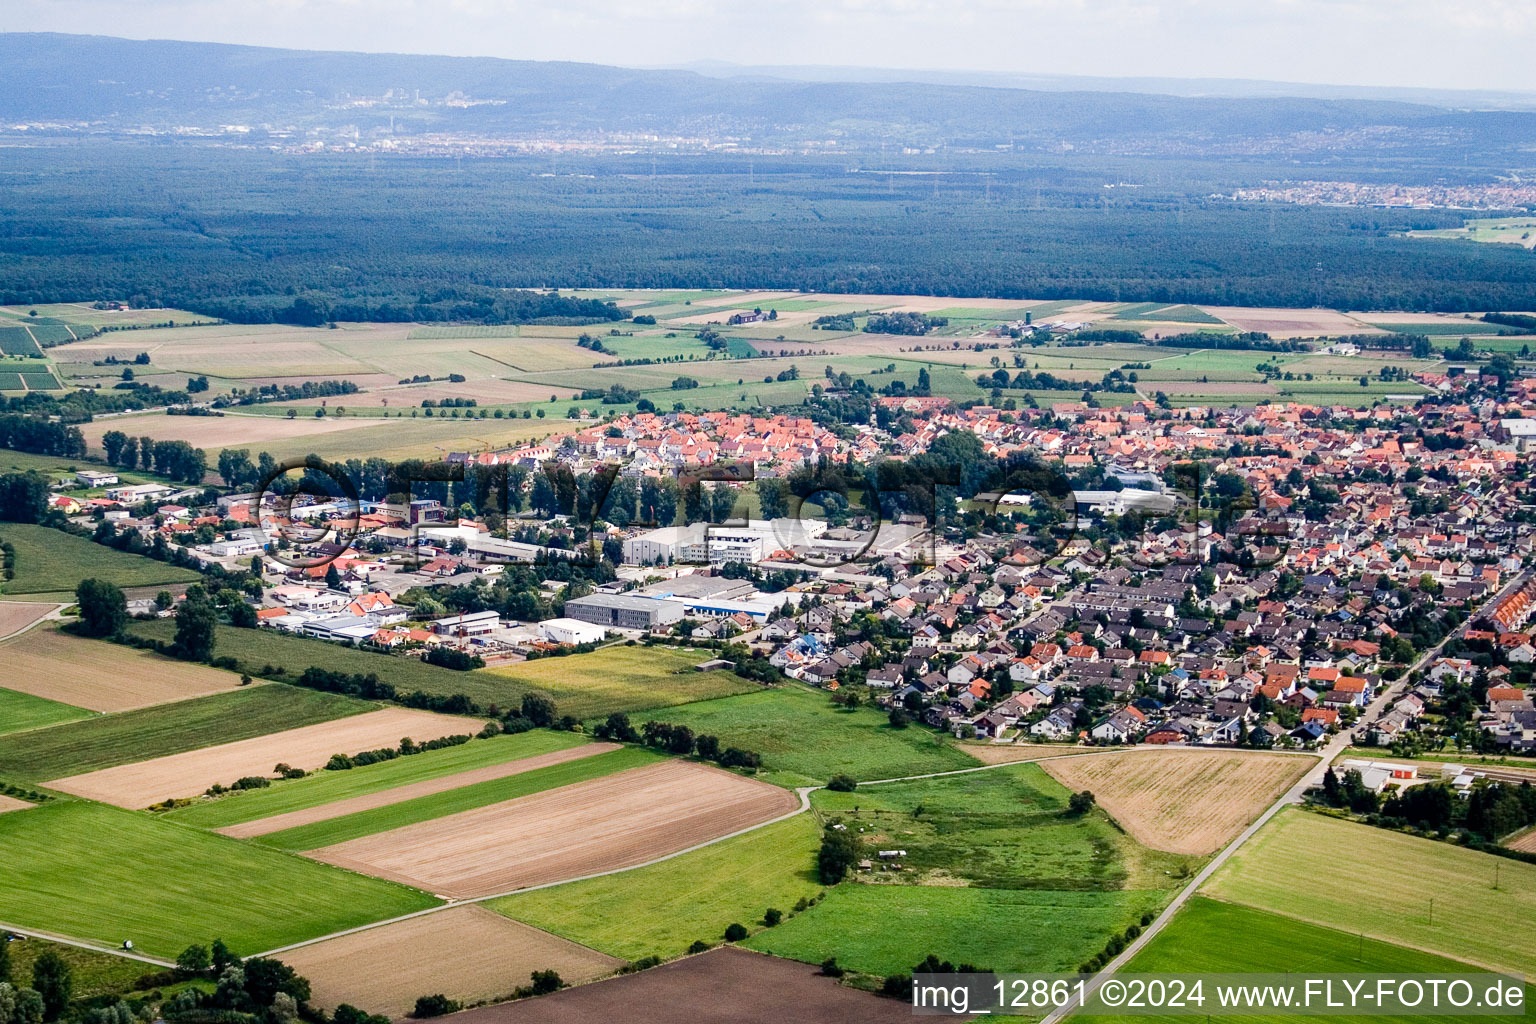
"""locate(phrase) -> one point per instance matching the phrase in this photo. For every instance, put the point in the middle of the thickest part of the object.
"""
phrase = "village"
(1321, 557)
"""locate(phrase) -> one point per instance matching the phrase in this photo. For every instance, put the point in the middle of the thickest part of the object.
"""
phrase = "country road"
(1335, 746)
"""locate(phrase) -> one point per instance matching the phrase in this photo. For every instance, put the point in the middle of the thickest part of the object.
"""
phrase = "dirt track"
(467, 953)
(1182, 801)
(613, 822)
(410, 791)
(189, 774)
(100, 676)
(723, 986)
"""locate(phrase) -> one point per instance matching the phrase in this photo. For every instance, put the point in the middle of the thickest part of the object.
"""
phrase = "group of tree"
(177, 460)
(903, 323)
(40, 436)
(23, 497)
(46, 999)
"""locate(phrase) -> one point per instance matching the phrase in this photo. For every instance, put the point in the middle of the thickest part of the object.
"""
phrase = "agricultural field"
(1501, 230)
(48, 662)
(474, 955)
(22, 711)
(84, 314)
(759, 989)
(613, 822)
(259, 433)
(1211, 937)
(16, 616)
(662, 909)
(468, 794)
(804, 739)
(1190, 802)
(883, 929)
(189, 773)
(54, 562)
(106, 875)
(293, 820)
(327, 788)
(1392, 904)
(105, 741)
(626, 679)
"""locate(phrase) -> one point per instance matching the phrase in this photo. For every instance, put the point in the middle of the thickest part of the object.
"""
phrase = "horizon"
(1314, 44)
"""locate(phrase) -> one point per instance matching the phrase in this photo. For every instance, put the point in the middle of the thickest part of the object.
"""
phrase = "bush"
(842, 784)
(772, 916)
(830, 969)
(699, 946)
(1079, 804)
(435, 1006)
(735, 933)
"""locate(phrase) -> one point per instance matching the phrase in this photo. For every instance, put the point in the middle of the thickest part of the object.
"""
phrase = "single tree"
(54, 981)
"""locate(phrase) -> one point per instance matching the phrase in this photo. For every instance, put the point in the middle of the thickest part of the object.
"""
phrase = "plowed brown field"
(1182, 801)
(189, 774)
(613, 822)
(410, 791)
(467, 953)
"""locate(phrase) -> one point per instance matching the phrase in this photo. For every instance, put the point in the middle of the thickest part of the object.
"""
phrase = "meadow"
(104, 741)
(886, 929)
(51, 561)
(1211, 937)
(662, 909)
(106, 875)
(622, 678)
(453, 801)
(1006, 828)
(804, 739)
(1388, 895)
(22, 711)
(325, 787)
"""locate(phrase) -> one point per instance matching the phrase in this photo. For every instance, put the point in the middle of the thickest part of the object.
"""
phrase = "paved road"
(1335, 746)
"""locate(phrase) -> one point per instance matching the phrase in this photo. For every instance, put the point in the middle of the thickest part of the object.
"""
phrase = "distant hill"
(117, 83)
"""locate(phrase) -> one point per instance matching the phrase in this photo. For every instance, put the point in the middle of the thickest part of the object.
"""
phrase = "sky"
(1443, 44)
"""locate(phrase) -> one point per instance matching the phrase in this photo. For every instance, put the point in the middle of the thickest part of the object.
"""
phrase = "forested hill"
(117, 82)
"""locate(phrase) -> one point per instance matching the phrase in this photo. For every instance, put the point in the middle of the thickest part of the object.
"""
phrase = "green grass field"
(1219, 938)
(105, 875)
(1000, 829)
(107, 740)
(465, 798)
(623, 679)
(22, 711)
(325, 787)
(804, 739)
(664, 908)
(886, 929)
(1468, 328)
(52, 561)
(1387, 895)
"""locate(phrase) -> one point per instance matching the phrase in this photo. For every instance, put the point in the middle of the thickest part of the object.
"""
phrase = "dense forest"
(246, 235)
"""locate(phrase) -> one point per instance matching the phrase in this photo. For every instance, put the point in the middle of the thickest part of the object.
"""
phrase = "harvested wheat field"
(16, 616)
(101, 676)
(1009, 753)
(215, 431)
(485, 392)
(1290, 323)
(383, 798)
(191, 773)
(10, 803)
(1182, 801)
(727, 985)
(467, 954)
(617, 821)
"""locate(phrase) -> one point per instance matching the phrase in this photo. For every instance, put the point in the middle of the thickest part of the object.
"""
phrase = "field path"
(410, 791)
(16, 617)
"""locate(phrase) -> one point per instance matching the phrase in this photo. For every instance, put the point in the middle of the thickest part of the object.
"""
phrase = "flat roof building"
(623, 611)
